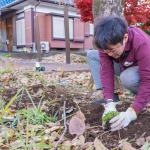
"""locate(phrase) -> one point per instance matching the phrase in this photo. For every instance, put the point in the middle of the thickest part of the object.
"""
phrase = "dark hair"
(109, 30)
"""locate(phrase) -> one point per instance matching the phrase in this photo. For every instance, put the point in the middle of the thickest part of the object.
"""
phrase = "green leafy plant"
(8, 55)
(107, 117)
(147, 32)
(36, 116)
(6, 67)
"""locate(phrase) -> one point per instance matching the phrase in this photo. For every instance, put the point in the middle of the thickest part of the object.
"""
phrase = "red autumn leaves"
(84, 8)
(135, 11)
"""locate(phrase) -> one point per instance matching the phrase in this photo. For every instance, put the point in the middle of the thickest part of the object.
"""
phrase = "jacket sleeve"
(143, 95)
(107, 75)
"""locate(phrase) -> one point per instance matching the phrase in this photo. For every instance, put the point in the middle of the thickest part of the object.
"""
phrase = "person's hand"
(111, 106)
(123, 119)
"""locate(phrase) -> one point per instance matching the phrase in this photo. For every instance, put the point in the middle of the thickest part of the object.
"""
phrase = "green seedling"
(6, 55)
(6, 67)
(107, 117)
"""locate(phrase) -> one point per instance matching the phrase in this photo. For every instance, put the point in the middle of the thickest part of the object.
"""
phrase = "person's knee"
(129, 79)
(92, 54)
(125, 81)
(89, 54)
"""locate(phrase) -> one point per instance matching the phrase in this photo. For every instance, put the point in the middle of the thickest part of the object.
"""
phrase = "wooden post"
(67, 38)
(37, 35)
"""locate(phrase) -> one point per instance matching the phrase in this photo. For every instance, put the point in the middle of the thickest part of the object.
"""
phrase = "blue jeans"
(129, 78)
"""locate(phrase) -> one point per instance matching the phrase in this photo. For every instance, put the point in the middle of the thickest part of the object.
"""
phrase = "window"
(91, 29)
(20, 31)
(20, 16)
(59, 29)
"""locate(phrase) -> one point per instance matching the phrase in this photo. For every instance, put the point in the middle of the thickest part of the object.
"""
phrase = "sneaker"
(97, 95)
(102, 101)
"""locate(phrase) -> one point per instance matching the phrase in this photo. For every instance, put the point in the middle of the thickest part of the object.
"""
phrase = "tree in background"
(107, 7)
(90, 9)
(137, 12)
(84, 8)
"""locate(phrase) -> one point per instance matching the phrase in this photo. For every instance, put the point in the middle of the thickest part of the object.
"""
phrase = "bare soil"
(93, 113)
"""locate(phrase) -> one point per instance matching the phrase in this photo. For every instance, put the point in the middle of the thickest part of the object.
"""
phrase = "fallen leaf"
(36, 139)
(35, 127)
(24, 80)
(2, 140)
(98, 145)
(76, 142)
(127, 146)
(80, 115)
(59, 69)
(17, 144)
(140, 141)
(148, 138)
(5, 80)
(38, 93)
(87, 144)
(55, 135)
(67, 143)
(51, 124)
(124, 145)
(46, 137)
(55, 128)
(77, 124)
(82, 139)
(6, 132)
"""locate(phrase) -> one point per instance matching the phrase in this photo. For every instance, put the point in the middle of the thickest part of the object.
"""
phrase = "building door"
(9, 33)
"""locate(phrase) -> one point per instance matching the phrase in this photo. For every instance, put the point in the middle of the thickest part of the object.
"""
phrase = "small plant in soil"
(107, 117)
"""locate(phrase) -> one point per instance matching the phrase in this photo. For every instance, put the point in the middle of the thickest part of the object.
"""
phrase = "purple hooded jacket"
(138, 53)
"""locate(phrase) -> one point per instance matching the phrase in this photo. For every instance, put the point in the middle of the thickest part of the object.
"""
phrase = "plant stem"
(10, 102)
(65, 124)
(31, 98)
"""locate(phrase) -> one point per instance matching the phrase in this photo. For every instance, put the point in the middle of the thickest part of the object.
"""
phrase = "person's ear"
(126, 37)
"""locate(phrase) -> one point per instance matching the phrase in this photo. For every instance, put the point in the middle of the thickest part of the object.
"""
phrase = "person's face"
(117, 50)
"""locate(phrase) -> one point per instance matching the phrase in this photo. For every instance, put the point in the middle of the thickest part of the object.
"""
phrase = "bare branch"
(65, 125)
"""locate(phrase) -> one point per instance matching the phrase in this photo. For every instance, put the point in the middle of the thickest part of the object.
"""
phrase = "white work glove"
(111, 106)
(123, 119)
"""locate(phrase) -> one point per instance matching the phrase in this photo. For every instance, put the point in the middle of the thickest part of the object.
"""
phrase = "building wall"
(78, 30)
(88, 43)
(28, 27)
(45, 28)
(42, 20)
(81, 30)
(88, 37)
(49, 28)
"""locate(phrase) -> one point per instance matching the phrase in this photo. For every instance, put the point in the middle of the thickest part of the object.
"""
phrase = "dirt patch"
(93, 115)
(55, 97)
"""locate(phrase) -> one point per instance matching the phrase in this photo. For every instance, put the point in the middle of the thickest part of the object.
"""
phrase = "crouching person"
(122, 51)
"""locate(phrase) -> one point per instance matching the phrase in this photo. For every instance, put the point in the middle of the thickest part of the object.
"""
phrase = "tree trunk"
(107, 7)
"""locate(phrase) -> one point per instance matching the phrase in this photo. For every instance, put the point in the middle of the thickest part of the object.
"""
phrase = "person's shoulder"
(137, 35)
(134, 29)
